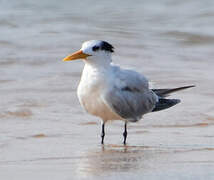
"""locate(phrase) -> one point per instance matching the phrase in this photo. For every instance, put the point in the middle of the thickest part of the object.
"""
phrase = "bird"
(113, 93)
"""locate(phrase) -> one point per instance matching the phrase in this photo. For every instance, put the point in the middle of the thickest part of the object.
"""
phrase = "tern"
(112, 93)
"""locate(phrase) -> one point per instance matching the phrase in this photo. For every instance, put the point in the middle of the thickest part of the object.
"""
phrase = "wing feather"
(130, 96)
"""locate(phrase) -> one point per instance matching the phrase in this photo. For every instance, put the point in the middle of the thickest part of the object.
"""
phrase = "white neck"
(99, 62)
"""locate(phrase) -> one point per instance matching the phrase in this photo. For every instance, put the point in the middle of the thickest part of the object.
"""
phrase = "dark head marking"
(95, 48)
(106, 46)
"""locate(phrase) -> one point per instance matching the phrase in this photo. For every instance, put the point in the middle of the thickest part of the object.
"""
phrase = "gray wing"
(130, 96)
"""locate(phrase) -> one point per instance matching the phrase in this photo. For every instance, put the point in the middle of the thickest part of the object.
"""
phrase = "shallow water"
(44, 132)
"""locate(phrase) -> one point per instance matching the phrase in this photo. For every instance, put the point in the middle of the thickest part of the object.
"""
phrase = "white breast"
(90, 90)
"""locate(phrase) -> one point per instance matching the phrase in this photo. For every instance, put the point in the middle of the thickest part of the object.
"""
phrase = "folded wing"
(130, 97)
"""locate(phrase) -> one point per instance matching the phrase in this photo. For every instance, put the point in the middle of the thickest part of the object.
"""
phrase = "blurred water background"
(44, 133)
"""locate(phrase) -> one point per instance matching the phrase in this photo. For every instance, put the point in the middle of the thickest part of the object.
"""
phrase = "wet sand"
(45, 134)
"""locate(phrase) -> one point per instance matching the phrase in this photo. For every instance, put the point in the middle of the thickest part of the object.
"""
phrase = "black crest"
(106, 46)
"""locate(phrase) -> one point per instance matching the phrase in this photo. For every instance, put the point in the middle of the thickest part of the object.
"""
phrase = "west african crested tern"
(113, 93)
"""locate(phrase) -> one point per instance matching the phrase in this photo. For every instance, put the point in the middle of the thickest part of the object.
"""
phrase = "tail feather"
(167, 92)
(165, 104)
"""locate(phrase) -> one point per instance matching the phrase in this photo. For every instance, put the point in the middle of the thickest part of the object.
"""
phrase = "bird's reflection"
(114, 158)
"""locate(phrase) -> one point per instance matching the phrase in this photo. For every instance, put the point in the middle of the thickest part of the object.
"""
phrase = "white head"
(93, 51)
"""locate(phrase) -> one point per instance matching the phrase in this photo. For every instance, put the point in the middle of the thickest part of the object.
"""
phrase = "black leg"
(103, 133)
(125, 133)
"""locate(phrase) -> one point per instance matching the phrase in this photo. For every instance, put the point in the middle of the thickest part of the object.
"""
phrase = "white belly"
(90, 97)
(93, 104)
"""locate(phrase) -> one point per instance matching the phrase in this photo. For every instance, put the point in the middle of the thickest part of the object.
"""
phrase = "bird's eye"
(95, 48)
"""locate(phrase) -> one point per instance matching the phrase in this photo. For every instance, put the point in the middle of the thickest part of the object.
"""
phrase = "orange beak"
(77, 55)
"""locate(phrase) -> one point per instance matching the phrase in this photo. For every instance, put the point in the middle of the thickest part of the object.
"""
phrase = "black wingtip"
(167, 92)
(183, 87)
(165, 104)
(190, 86)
